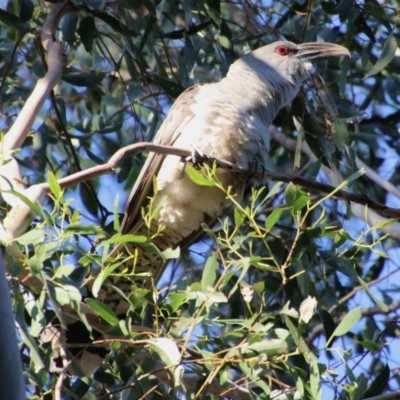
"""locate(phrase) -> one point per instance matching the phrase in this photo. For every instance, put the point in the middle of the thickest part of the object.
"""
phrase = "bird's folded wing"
(180, 114)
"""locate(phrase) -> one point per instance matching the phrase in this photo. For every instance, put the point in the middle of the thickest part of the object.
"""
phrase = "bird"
(228, 120)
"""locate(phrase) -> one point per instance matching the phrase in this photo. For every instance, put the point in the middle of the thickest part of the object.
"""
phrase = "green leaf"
(213, 8)
(177, 299)
(78, 227)
(328, 322)
(103, 311)
(381, 224)
(64, 271)
(315, 381)
(387, 55)
(23, 330)
(151, 24)
(26, 10)
(300, 385)
(170, 88)
(300, 342)
(97, 124)
(102, 276)
(352, 317)
(167, 350)
(34, 207)
(38, 318)
(350, 374)
(380, 253)
(295, 197)
(360, 387)
(67, 294)
(87, 198)
(68, 27)
(313, 170)
(114, 23)
(35, 265)
(195, 293)
(290, 194)
(198, 177)
(162, 73)
(116, 223)
(371, 345)
(210, 272)
(275, 190)
(365, 62)
(362, 136)
(370, 7)
(181, 33)
(297, 154)
(239, 216)
(273, 218)
(301, 201)
(344, 73)
(361, 25)
(340, 134)
(121, 238)
(35, 236)
(343, 9)
(171, 254)
(62, 108)
(328, 7)
(225, 41)
(54, 185)
(41, 140)
(87, 32)
(15, 267)
(245, 264)
(380, 303)
(379, 384)
(271, 348)
(84, 79)
(342, 185)
(253, 374)
(13, 21)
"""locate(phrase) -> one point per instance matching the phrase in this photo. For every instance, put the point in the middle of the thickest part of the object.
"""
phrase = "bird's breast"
(221, 126)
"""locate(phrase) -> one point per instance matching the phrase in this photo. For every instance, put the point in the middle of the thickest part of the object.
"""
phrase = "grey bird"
(228, 120)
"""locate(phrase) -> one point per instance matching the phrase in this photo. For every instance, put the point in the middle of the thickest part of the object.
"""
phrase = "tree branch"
(111, 166)
(20, 216)
(17, 222)
(357, 209)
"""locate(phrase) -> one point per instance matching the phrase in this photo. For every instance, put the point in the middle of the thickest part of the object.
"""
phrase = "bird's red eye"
(282, 50)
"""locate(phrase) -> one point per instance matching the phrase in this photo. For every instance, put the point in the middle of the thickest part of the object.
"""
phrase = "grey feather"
(228, 120)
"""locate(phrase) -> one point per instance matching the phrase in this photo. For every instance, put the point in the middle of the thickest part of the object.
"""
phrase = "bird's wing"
(179, 115)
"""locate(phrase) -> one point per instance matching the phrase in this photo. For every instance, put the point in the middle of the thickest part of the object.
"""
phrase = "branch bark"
(11, 187)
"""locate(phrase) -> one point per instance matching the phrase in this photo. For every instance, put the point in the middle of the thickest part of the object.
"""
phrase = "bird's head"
(291, 61)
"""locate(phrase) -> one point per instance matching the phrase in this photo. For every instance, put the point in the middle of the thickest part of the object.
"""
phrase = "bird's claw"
(197, 158)
(255, 169)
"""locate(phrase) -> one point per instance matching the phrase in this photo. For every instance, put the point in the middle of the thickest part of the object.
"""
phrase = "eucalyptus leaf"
(386, 56)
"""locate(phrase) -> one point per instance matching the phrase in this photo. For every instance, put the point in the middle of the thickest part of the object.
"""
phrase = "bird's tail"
(141, 264)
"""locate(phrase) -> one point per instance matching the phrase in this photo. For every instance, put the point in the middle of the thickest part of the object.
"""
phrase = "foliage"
(294, 294)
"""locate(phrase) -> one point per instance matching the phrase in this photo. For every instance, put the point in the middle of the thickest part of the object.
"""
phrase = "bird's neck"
(263, 89)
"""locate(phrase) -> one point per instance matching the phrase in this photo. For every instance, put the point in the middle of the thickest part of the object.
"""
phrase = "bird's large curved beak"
(314, 51)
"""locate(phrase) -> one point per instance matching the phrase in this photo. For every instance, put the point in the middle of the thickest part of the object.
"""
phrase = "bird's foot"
(256, 170)
(198, 157)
